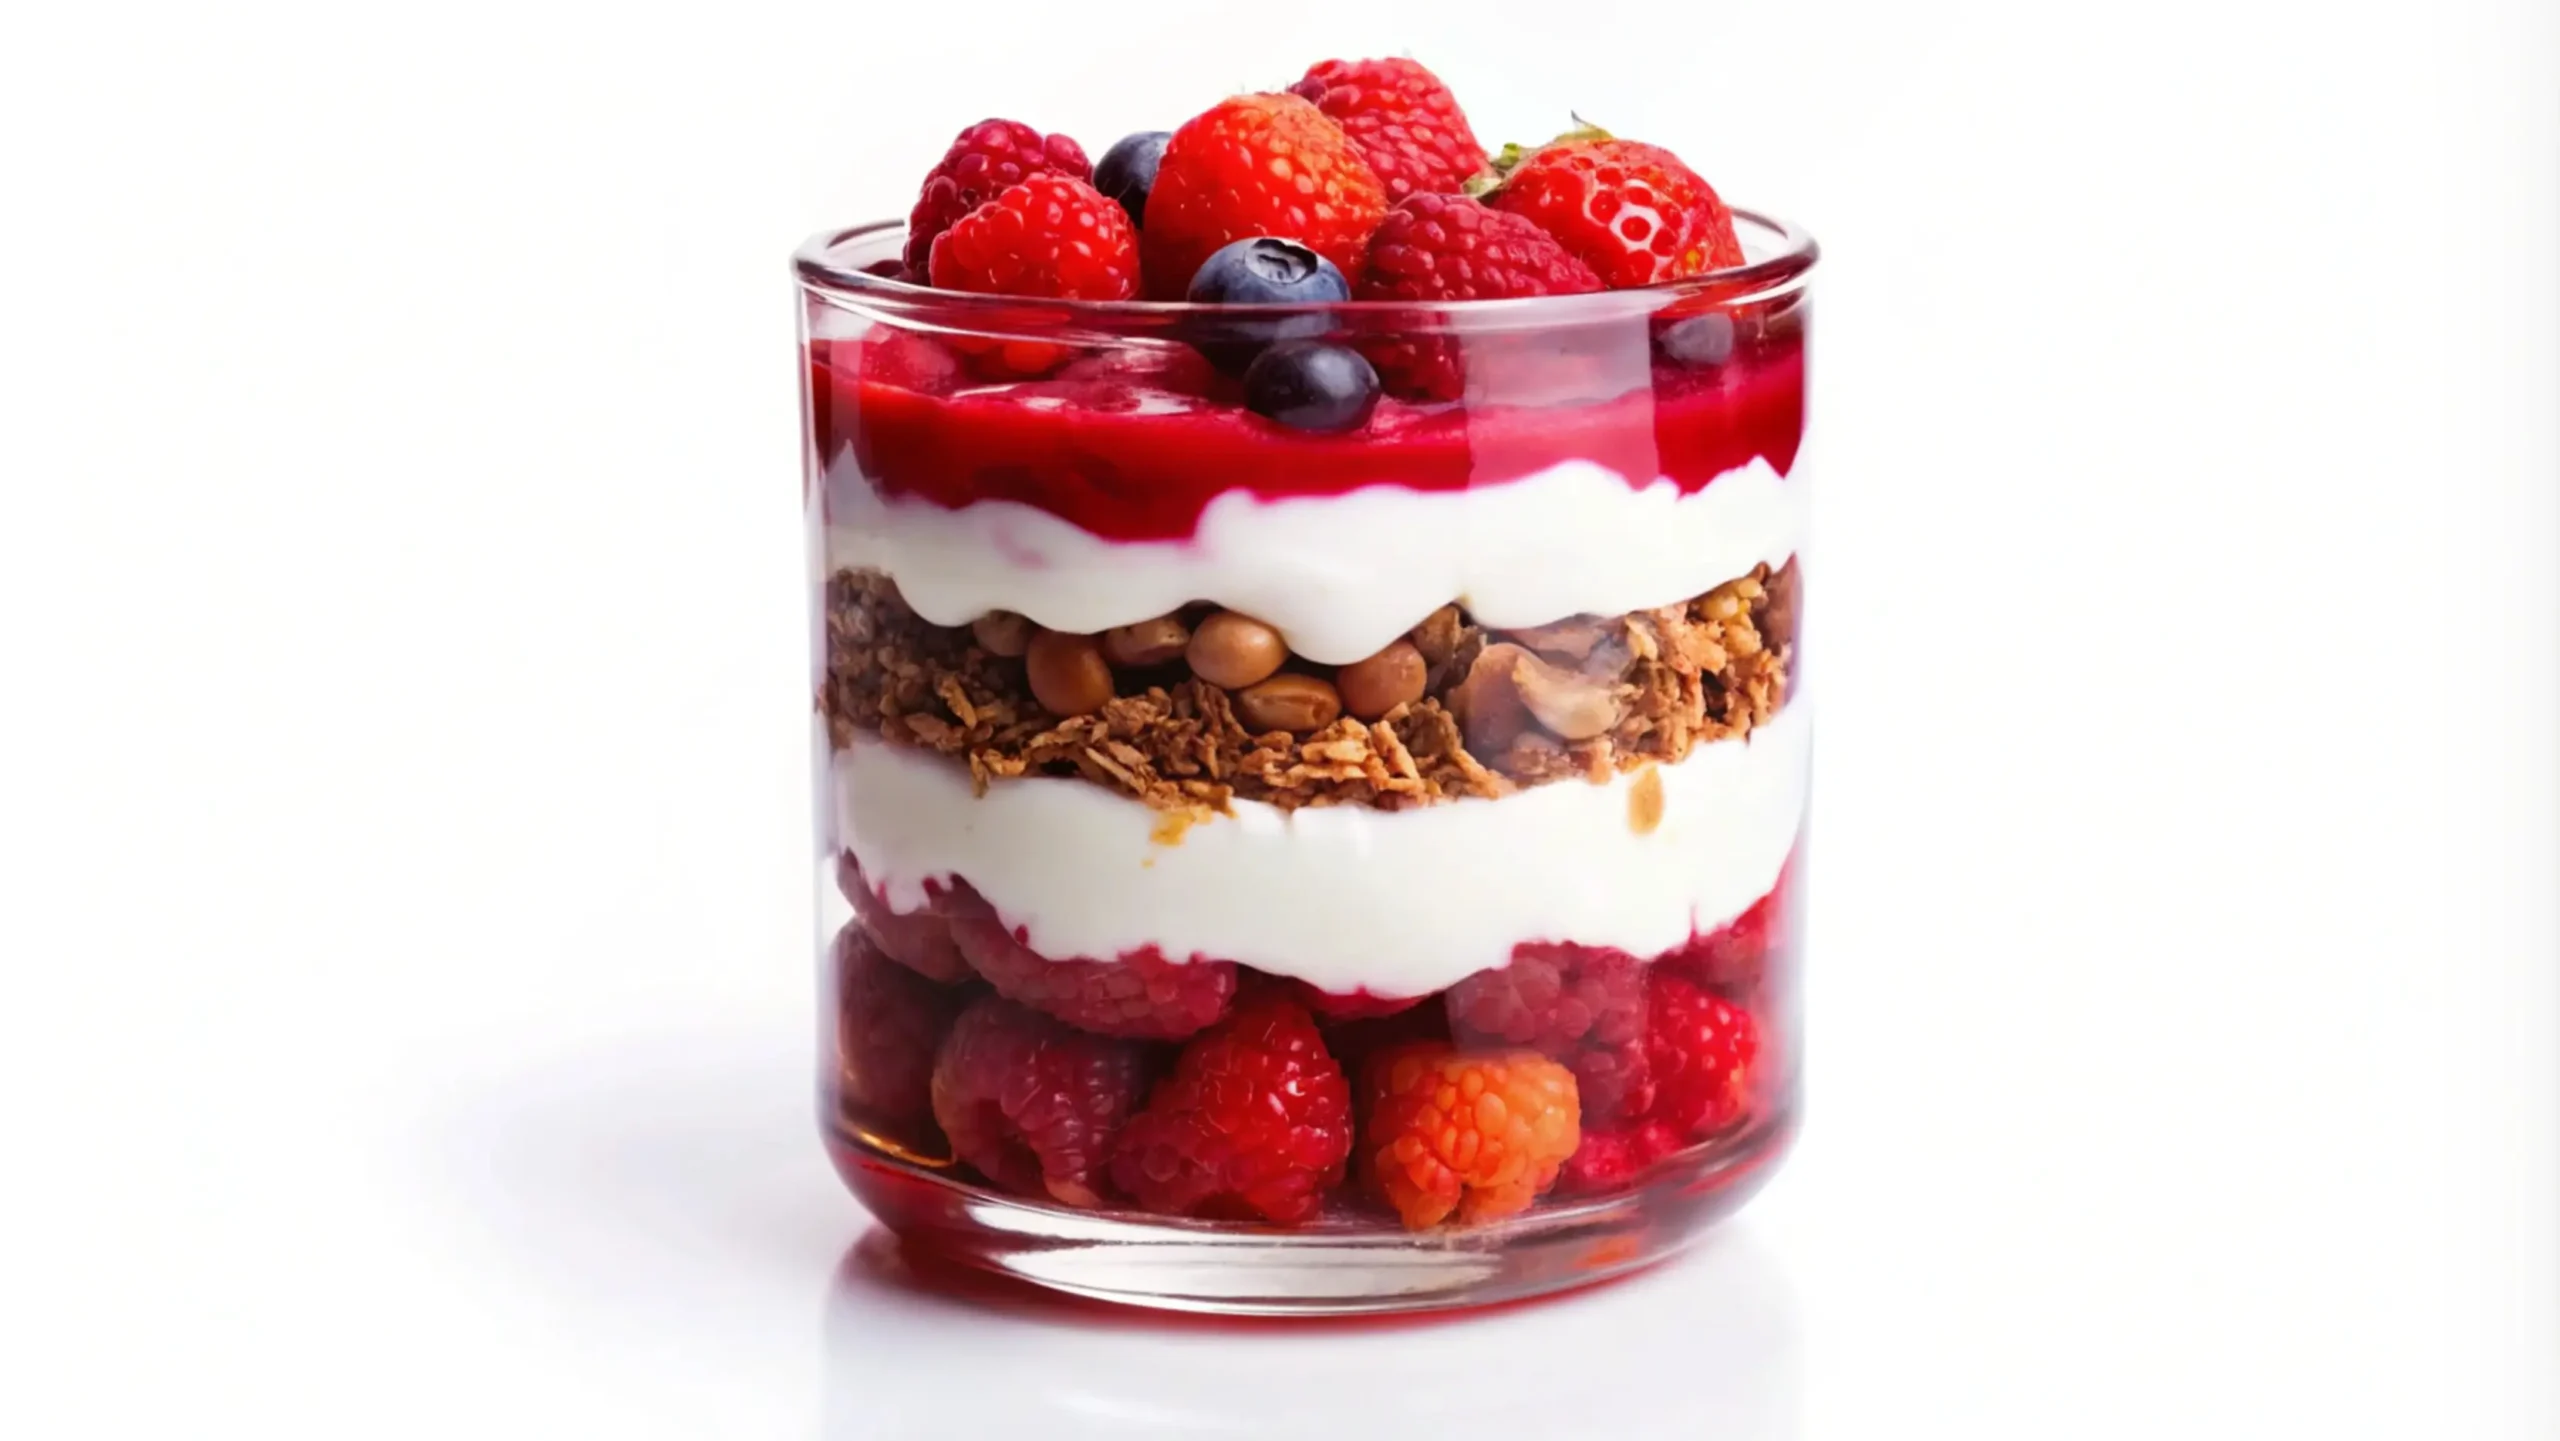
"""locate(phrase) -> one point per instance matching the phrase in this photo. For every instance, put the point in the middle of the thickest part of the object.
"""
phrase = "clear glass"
(1278, 870)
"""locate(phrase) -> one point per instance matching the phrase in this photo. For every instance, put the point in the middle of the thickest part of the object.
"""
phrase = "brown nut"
(1002, 633)
(1393, 677)
(1487, 699)
(1148, 643)
(1068, 675)
(1572, 638)
(1289, 703)
(1566, 702)
(1235, 651)
(1438, 635)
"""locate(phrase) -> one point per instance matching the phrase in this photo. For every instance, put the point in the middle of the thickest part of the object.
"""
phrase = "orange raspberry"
(1480, 1136)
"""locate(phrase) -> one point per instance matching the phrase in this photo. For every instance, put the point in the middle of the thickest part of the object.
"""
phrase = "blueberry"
(1128, 171)
(1312, 385)
(1700, 340)
(1262, 271)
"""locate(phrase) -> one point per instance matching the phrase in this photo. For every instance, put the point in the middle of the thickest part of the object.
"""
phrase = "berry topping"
(1699, 341)
(920, 940)
(1127, 171)
(1477, 1136)
(1051, 235)
(1454, 247)
(1633, 212)
(1701, 1048)
(1141, 994)
(1312, 385)
(1401, 119)
(1257, 165)
(1434, 248)
(888, 1022)
(987, 159)
(1254, 1122)
(1034, 1105)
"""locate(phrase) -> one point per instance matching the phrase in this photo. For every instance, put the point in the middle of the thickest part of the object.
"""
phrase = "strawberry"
(1401, 119)
(986, 160)
(1051, 235)
(1257, 165)
(1633, 212)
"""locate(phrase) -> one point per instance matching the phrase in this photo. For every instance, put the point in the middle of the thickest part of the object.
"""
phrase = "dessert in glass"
(1309, 717)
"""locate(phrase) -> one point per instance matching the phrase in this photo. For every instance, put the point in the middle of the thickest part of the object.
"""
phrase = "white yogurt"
(1398, 902)
(1338, 575)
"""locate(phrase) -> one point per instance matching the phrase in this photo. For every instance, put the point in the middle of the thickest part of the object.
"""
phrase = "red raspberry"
(1052, 235)
(1254, 1122)
(1612, 1159)
(1035, 1106)
(1702, 1048)
(1401, 119)
(1141, 995)
(1257, 165)
(1583, 1005)
(888, 1022)
(987, 159)
(919, 940)
(1735, 955)
(1632, 211)
(1477, 1136)
(1435, 248)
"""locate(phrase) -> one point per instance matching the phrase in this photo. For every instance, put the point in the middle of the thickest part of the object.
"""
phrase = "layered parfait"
(1330, 752)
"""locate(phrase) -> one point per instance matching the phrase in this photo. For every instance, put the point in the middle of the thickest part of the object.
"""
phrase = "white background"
(408, 1020)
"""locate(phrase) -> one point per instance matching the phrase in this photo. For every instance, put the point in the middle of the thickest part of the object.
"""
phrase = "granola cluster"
(1500, 710)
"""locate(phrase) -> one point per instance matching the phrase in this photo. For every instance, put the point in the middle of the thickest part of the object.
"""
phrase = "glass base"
(1333, 1268)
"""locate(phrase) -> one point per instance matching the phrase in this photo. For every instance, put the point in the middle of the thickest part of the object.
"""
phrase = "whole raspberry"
(1701, 1048)
(1475, 1136)
(986, 160)
(1633, 212)
(1610, 1159)
(1051, 235)
(1140, 995)
(1583, 1005)
(1736, 954)
(889, 1021)
(1435, 248)
(1401, 119)
(1254, 1122)
(919, 940)
(1034, 1105)
(1257, 165)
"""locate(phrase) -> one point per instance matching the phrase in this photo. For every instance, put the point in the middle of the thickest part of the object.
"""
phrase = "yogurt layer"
(1339, 576)
(1346, 897)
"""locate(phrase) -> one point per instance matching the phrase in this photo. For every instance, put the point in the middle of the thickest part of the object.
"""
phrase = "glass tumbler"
(1281, 869)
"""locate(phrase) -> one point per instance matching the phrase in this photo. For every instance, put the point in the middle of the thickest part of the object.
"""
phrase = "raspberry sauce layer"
(1347, 898)
(1130, 460)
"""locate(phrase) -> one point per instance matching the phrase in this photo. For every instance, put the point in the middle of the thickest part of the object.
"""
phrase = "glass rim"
(1784, 267)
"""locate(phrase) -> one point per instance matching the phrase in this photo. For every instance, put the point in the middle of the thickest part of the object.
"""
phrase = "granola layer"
(1583, 698)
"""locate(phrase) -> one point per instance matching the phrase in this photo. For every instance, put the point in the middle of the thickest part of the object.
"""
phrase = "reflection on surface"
(1703, 1347)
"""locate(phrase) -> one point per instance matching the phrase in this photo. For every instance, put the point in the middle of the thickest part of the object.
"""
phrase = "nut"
(1393, 677)
(1487, 700)
(1289, 703)
(1068, 675)
(1235, 651)
(1437, 637)
(1002, 633)
(1568, 703)
(1148, 643)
